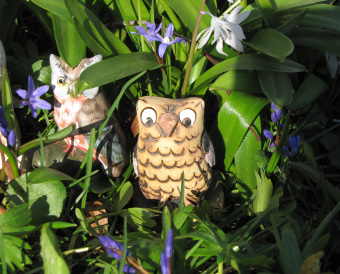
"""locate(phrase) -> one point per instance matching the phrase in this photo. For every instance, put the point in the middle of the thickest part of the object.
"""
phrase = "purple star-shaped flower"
(167, 254)
(115, 250)
(268, 134)
(30, 97)
(166, 41)
(4, 128)
(150, 30)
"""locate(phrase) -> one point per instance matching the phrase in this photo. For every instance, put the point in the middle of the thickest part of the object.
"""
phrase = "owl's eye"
(148, 117)
(61, 81)
(187, 117)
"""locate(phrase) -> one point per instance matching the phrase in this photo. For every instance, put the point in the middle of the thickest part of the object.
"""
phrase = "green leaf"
(124, 197)
(292, 22)
(45, 174)
(138, 217)
(46, 201)
(14, 218)
(272, 43)
(263, 193)
(308, 91)
(188, 12)
(12, 250)
(115, 68)
(245, 62)
(290, 252)
(319, 231)
(322, 16)
(233, 120)
(267, 10)
(95, 34)
(245, 170)
(57, 7)
(47, 139)
(50, 252)
(316, 38)
(237, 80)
(70, 45)
(276, 86)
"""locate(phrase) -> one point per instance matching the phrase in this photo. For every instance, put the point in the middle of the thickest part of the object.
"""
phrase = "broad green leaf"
(115, 68)
(46, 201)
(15, 217)
(290, 252)
(272, 43)
(267, 10)
(245, 169)
(180, 216)
(45, 174)
(245, 62)
(129, 11)
(50, 252)
(124, 197)
(57, 7)
(70, 45)
(188, 12)
(308, 91)
(95, 34)
(237, 80)
(233, 120)
(137, 217)
(316, 38)
(276, 86)
(292, 22)
(322, 16)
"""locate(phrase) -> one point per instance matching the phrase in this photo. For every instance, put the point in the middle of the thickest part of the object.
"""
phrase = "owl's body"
(86, 111)
(172, 141)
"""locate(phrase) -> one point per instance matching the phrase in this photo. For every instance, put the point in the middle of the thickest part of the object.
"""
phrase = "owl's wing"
(134, 161)
(208, 149)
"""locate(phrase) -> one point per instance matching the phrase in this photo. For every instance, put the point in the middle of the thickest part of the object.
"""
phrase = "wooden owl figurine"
(86, 111)
(172, 140)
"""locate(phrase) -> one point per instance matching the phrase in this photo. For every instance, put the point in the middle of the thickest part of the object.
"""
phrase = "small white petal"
(205, 38)
(219, 46)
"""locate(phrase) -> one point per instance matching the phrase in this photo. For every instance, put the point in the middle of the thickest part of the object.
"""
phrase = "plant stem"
(191, 53)
(12, 160)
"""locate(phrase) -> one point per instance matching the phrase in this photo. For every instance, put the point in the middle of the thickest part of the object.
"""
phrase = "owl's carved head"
(64, 78)
(174, 118)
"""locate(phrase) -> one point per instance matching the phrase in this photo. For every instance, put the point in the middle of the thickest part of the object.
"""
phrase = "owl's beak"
(167, 123)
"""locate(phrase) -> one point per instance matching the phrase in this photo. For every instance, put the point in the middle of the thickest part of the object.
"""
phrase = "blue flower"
(294, 142)
(30, 97)
(268, 134)
(150, 30)
(115, 250)
(167, 254)
(276, 115)
(166, 41)
(4, 128)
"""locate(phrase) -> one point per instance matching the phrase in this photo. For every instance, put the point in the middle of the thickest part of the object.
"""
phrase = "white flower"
(332, 64)
(226, 29)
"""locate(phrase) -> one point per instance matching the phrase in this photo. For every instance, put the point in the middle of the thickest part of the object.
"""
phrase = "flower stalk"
(191, 53)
